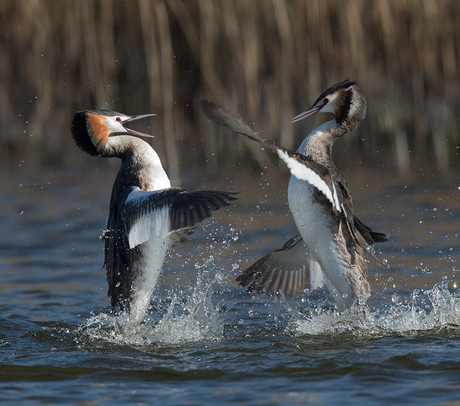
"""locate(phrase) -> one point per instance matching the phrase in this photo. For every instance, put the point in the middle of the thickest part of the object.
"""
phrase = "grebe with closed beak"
(331, 236)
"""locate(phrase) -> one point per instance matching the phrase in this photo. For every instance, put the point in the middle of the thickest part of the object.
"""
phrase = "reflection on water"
(56, 323)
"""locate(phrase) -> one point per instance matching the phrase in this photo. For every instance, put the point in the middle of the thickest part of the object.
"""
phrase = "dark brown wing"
(288, 270)
(119, 262)
(362, 235)
(157, 214)
(315, 173)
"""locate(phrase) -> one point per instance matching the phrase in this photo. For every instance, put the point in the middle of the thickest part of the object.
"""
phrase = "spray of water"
(192, 315)
(182, 316)
(430, 311)
(191, 318)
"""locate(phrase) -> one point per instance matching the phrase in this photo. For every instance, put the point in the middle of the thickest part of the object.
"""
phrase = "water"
(207, 341)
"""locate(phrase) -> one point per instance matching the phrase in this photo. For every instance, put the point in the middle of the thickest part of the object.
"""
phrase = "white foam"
(189, 316)
(195, 318)
(433, 310)
(192, 318)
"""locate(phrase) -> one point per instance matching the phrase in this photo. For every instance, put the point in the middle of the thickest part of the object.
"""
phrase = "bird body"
(321, 204)
(327, 231)
(144, 208)
(326, 240)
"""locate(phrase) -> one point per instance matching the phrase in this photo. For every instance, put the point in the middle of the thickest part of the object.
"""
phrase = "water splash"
(431, 311)
(192, 318)
(196, 321)
(179, 316)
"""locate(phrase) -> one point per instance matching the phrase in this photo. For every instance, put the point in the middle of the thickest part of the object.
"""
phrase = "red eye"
(325, 101)
(118, 119)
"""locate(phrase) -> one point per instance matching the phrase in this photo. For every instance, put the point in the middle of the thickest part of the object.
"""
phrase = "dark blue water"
(207, 341)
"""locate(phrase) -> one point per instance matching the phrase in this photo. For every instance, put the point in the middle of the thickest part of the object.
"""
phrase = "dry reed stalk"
(268, 60)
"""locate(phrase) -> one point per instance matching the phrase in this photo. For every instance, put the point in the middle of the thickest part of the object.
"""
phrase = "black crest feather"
(80, 133)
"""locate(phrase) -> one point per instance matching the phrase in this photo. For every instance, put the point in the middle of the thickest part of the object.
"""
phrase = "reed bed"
(268, 60)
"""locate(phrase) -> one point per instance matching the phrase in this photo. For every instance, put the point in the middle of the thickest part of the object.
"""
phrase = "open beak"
(133, 118)
(311, 111)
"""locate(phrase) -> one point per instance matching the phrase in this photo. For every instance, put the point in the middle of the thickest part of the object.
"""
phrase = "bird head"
(92, 128)
(338, 100)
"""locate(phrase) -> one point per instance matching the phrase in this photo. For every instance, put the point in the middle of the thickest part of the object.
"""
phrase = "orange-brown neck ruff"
(98, 127)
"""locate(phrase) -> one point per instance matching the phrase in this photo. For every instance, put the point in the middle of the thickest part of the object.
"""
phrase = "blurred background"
(269, 60)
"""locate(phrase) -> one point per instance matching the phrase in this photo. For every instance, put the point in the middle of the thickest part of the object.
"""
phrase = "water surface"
(206, 340)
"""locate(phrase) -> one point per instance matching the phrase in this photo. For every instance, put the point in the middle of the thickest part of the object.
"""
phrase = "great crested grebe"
(144, 208)
(321, 204)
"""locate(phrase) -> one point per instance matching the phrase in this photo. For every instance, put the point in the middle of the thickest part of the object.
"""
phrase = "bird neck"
(123, 147)
(141, 166)
(352, 113)
(318, 144)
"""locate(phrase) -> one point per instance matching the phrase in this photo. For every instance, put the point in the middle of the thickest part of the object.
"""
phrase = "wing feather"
(289, 270)
(148, 215)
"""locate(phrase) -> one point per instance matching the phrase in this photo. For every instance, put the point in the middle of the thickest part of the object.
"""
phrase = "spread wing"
(301, 166)
(147, 216)
(289, 270)
(304, 168)
(156, 214)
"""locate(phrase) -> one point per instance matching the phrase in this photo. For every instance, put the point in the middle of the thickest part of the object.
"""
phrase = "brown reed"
(267, 59)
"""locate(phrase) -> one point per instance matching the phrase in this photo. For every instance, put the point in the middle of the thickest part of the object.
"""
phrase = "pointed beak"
(311, 111)
(134, 132)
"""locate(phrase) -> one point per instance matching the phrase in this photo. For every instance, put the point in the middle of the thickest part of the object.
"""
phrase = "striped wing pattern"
(155, 214)
(288, 270)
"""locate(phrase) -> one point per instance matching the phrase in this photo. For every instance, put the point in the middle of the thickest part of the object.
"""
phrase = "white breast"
(153, 252)
(314, 221)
